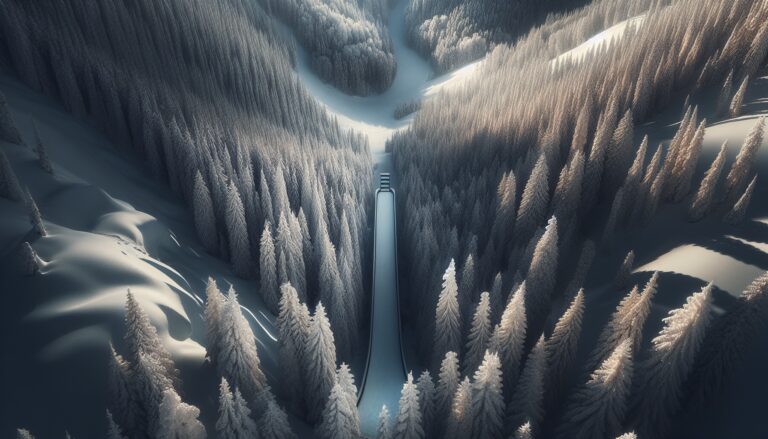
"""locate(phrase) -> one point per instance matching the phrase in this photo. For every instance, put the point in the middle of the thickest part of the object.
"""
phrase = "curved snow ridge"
(600, 40)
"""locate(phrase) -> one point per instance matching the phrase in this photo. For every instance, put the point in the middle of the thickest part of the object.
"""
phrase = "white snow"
(602, 39)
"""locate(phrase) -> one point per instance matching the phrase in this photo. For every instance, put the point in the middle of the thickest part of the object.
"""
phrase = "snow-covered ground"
(111, 227)
(601, 40)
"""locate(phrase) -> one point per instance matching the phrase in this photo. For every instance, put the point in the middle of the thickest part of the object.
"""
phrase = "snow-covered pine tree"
(625, 271)
(384, 430)
(293, 333)
(238, 358)
(459, 424)
(496, 298)
(672, 356)
(584, 263)
(724, 99)
(618, 157)
(626, 322)
(427, 396)
(237, 231)
(148, 384)
(28, 259)
(448, 315)
(268, 269)
(734, 110)
(331, 289)
(562, 345)
(599, 407)
(629, 435)
(688, 160)
(204, 216)
(337, 418)
(594, 169)
(35, 219)
(42, 154)
(447, 383)
(541, 278)
(527, 403)
(534, 201)
(479, 334)
(113, 430)
(509, 337)
(702, 202)
(741, 169)
(9, 184)
(22, 433)
(141, 338)
(121, 397)
(274, 423)
(408, 421)
(178, 420)
(8, 130)
(214, 305)
(320, 364)
(505, 209)
(487, 399)
(346, 380)
(739, 210)
(467, 286)
(525, 431)
(234, 421)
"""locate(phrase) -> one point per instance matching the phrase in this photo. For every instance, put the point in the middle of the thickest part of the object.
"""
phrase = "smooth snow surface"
(385, 371)
(602, 39)
(111, 227)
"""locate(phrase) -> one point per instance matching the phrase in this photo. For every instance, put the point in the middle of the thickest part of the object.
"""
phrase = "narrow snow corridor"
(385, 369)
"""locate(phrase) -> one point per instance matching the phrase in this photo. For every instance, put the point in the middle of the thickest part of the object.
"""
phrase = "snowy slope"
(111, 227)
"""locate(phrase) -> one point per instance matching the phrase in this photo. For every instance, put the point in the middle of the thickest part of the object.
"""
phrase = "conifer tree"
(630, 435)
(346, 380)
(234, 421)
(448, 315)
(238, 358)
(205, 219)
(447, 382)
(734, 110)
(739, 210)
(113, 430)
(427, 397)
(689, 158)
(148, 383)
(619, 154)
(237, 231)
(385, 430)
(214, 306)
(741, 169)
(268, 269)
(487, 399)
(627, 322)
(525, 431)
(9, 184)
(22, 433)
(338, 418)
(479, 334)
(562, 345)
(509, 337)
(541, 278)
(34, 216)
(467, 286)
(178, 420)
(8, 130)
(625, 271)
(725, 344)
(594, 169)
(121, 396)
(320, 363)
(42, 154)
(724, 99)
(584, 263)
(672, 356)
(332, 288)
(534, 202)
(528, 399)
(293, 329)
(141, 338)
(598, 408)
(617, 211)
(702, 202)
(408, 424)
(274, 423)
(459, 421)
(496, 298)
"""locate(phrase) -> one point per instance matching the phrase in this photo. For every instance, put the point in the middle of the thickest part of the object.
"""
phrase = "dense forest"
(454, 32)
(547, 147)
(348, 42)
